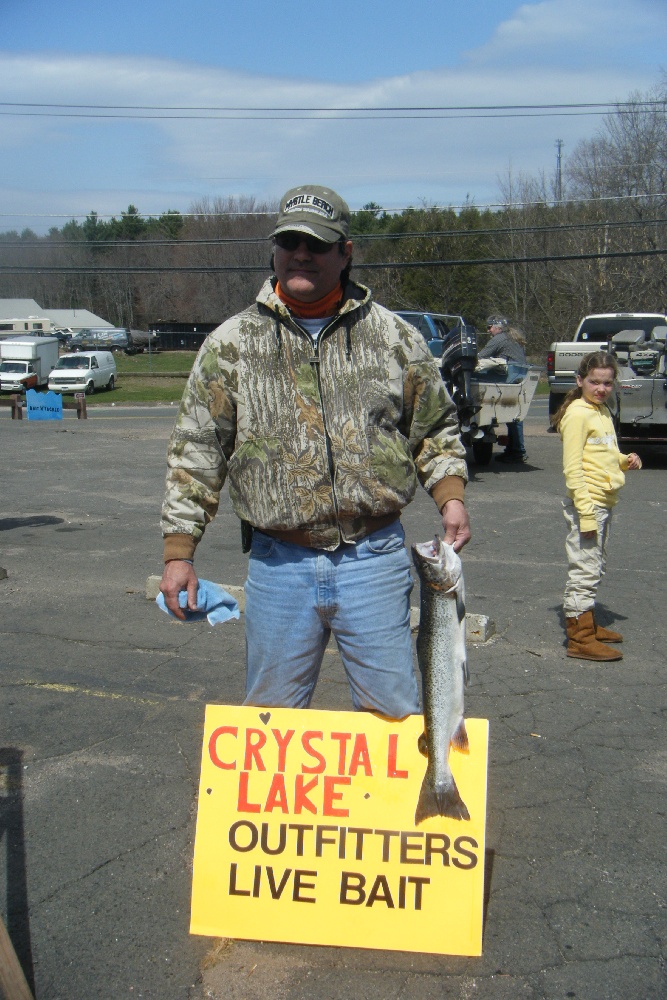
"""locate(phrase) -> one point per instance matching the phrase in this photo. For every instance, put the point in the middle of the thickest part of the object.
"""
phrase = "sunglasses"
(290, 242)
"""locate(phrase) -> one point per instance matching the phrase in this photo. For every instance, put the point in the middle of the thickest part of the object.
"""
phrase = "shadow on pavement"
(12, 832)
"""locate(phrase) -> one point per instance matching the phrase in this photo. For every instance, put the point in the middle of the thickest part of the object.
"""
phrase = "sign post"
(306, 834)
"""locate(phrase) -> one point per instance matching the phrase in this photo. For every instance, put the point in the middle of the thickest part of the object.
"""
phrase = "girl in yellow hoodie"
(593, 467)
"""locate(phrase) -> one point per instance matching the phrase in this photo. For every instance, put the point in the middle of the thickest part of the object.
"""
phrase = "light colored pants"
(296, 597)
(586, 559)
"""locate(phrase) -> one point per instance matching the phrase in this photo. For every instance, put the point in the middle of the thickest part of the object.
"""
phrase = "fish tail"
(440, 802)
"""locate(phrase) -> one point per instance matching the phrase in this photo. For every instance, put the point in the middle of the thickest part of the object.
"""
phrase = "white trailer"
(34, 326)
(25, 362)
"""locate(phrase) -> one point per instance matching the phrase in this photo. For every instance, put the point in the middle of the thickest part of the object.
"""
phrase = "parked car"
(114, 338)
(84, 371)
(99, 339)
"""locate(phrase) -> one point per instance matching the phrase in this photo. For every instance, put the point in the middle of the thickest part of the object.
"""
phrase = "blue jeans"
(515, 442)
(296, 597)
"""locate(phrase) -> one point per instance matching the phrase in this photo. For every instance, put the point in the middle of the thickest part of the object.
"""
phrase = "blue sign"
(44, 405)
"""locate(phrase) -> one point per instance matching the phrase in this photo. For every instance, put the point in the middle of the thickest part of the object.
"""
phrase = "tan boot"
(603, 634)
(582, 643)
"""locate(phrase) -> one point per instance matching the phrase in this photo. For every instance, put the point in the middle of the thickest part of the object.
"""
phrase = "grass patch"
(163, 361)
(140, 390)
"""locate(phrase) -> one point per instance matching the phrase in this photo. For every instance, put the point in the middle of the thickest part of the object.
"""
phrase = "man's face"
(309, 276)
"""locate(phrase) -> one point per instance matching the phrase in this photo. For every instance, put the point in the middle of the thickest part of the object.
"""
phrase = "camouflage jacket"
(310, 437)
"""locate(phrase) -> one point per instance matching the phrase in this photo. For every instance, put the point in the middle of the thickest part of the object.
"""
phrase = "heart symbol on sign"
(265, 716)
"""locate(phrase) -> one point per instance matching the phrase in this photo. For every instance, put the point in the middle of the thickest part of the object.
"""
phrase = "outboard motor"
(633, 351)
(459, 358)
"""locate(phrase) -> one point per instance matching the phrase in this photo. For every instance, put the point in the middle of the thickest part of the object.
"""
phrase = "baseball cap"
(315, 210)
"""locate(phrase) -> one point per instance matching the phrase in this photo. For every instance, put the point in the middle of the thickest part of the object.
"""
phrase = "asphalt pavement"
(103, 701)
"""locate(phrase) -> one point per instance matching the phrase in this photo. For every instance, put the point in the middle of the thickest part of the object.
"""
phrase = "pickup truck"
(25, 362)
(485, 396)
(594, 333)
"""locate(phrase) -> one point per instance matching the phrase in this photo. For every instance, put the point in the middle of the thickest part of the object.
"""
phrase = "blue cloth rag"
(213, 603)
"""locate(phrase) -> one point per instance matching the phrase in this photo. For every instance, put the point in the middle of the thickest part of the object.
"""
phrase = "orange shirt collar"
(326, 306)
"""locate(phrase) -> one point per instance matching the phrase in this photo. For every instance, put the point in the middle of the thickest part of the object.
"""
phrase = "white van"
(84, 372)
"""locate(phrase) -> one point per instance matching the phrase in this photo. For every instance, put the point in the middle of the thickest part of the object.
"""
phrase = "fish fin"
(466, 673)
(460, 605)
(460, 738)
(422, 745)
(447, 802)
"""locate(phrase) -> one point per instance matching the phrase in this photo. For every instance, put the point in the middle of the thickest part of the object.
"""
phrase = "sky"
(102, 63)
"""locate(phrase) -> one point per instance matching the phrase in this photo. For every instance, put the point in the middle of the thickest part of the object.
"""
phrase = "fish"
(441, 654)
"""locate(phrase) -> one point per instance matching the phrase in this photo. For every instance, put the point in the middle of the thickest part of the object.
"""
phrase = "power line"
(47, 244)
(352, 115)
(265, 213)
(384, 265)
(565, 106)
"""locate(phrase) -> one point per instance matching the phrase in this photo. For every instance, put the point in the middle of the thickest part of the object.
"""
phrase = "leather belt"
(310, 539)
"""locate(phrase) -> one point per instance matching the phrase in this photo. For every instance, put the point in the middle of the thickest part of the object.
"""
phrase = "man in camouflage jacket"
(321, 410)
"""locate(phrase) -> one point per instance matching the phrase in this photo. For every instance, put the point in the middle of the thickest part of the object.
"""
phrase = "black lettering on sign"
(360, 832)
(277, 883)
(437, 843)
(300, 830)
(233, 890)
(408, 845)
(264, 842)
(353, 890)
(277, 890)
(472, 858)
(234, 830)
(300, 885)
(386, 839)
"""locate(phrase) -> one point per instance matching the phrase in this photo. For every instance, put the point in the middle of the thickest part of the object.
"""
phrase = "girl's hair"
(517, 335)
(600, 359)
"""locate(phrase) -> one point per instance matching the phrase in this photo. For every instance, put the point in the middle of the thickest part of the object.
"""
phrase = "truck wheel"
(482, 452)
(555, 399)
(111, 383)
(90, 388)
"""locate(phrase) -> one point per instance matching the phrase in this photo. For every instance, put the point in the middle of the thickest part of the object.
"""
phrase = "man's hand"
(179, 575)
(456, 524)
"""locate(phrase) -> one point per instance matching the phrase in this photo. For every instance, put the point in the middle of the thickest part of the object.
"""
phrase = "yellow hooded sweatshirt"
(592, 463)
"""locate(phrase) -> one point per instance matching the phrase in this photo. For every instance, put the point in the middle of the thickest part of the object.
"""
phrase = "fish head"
(437, 564)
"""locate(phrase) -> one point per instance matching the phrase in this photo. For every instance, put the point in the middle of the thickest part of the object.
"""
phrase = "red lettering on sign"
(301, 800)
(252, 748)
(283, 742)
(311, 734)
(342, 748)
(277, 797)
(392, 755)
(360, 756)
(213, 746)
(243, 805)
(331, 796)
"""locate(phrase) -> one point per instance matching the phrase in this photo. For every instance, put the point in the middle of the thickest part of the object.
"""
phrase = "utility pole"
(559, 170)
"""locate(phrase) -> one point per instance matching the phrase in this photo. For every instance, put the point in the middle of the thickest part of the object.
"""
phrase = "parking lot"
(103, 699)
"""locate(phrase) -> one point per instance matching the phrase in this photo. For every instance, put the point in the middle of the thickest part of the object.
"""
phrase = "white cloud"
(596, 32)
(556, 51)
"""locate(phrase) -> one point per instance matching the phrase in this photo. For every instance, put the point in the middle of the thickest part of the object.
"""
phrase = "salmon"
(441, 653)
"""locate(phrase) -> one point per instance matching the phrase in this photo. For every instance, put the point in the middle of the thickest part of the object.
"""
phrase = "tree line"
(590, 240)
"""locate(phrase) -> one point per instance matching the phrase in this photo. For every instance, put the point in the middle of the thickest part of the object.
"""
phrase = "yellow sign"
(306, 833)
